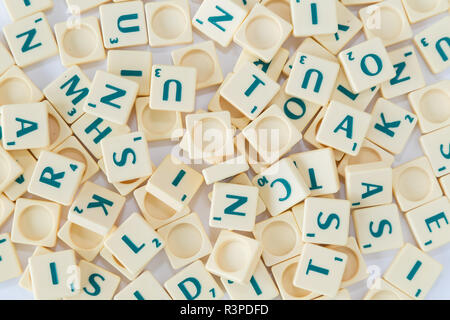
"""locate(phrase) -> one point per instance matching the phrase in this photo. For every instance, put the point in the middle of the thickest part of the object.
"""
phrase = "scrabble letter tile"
(436, 146)
(16, 87)
(311, 17)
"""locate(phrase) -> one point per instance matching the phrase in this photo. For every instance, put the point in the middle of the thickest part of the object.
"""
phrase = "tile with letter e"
(17, 87)
(20, 9)
(144, 287)
(421, 10)
(311, 17)
(436, 146)
(9, 261)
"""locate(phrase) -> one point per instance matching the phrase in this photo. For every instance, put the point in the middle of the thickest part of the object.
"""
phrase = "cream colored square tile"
(20, 9)
(226, 169)
(6, 208)
(17, 188)
(16, 87)
(436, 146)
(445, 185)
(112, 260)
(279, 7)
(342, 294)
(9, 261)
(79, 6)
(10, 170)
(314, 17)
(144, 287)
(299, 210)
(25, 279)
(247, 4)
(6, 59)
(254, 159)
(382, 290)
(418, 11)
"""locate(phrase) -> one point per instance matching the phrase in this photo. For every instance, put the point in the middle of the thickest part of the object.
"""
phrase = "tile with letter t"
(436, 146)
(56, 178)
(6, 60)
(430, 224)
(413, 272)
(421, 10)
(134, 243)
(193, 283)
(20, 9)
(144, 287)
(9, 261)
(111, 97)
(311, 17)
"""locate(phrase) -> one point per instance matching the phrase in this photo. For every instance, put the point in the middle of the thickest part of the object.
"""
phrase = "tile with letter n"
(436, 146)
(9, 261)
(111, 97)
(144, 287)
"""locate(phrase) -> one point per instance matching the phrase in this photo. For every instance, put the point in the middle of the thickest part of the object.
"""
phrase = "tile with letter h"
(310, 17)
(436, 146)
(20, 9)
(9, 261)
(144, 287)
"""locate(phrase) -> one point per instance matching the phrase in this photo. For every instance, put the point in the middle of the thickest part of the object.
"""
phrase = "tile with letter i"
(6, 208)
(408, 73)
(9, 261)
(56, 178)
(219, 20)
(144, 287)
(80, 6)
(18, 9)
(123, 24)
(281, 186)
(413, 272)
(54, 275)
(320, 270)
(95, 283)
(25, 279)
(6, 60)
(378, 228)
(421, 10)
(30, 40)
(28, 92)
(312, 78)
(11, 169)
(445, 185)
(111, 97)
(174, 183)
(436, 146)
(368, 184)
(261, 21)
(96, 208)
(260, 287)
(312, 17)
(318, 167)
(366, 65)
(430, 224)
(193, 283)
(134, 243)
(434, 43)
(382, 290)
(173, 88)
(132, 65)
(68, 93)
(343, 128)
(391, 126)
(326, 221)
(249, 90)
(233, 207)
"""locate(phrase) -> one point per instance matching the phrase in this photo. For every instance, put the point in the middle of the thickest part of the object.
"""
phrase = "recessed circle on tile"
(158, 121)
(184, 240)
(414, 184)
(365, 155)
(287, 280)
(278, 238)
(279, 7)
(73, 154)
(423, 5)
(79, 42)
(263, 32)
(390, 26)
(232, 255)
(14, 90)
(352, 266)
(435, 106)
(213, 134)
(267, 128)
(156, 208)
(53, 128)
(200, 60)
(168, 22)
(35, 222)
(384, 295)
(84, 238)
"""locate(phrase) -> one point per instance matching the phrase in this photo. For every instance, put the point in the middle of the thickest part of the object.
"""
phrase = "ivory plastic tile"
(342, 294)
(432, 106)
(307, 67)
(20, 9)
(408, 73)
(132, 65)
(6, 208)
(280, 238)
(91, 130)
(413, 272)
(111, 259)
(343, 128)
(96, 283)
(247, 4)
(311, 17)
(219, 20)
(254, 159)
(144, 287)
(25, 279)
(368, 184)
(161, 33)
(203, 57)
(382, 290)
(20, 185)
(111, 97)
(54, 275)
(6, 60)
(262, 33)
(186, 240)
(318, 169)
(445, 185)
(281, 186)
(430, 224)
(414, 184)
(134, 243)
(193, 283)
(9, 261)
(226, 169)
(30, 40)
(421, 10)
(320, 269)
(366, 65)
(436, 147)
(233, 207)
(386, 20)
(433, 43)
(16, 87)
(79, 6)
(279, 7)
(326, 221)
(173, 88)
(260, 287)
(68, 93)
(299, 211)
(348, 25)
(391, 126)
(283, 274)
(378, 228)
(272, 134)
(10, 170)
(234, 257)
(79, 42)
(123, 24)
(25, 126)
(56, 178)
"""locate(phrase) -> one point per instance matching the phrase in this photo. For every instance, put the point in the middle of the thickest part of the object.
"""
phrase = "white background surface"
(43, 73)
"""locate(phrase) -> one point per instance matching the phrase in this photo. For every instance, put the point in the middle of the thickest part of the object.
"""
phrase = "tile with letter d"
(144, 287)
(20, 9)
(311, 17)
(436, 146)
(9, 261)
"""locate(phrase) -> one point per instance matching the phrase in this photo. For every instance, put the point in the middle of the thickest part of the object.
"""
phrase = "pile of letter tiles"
(301, 149)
